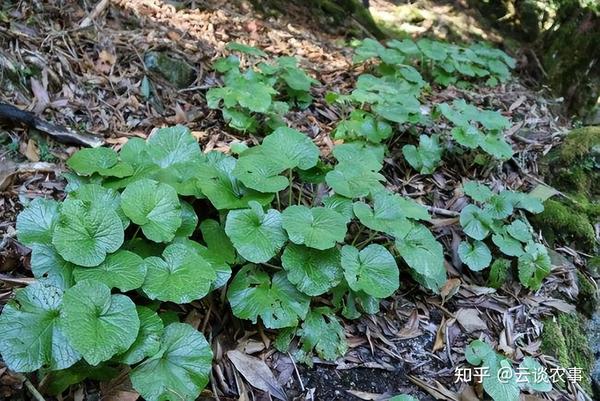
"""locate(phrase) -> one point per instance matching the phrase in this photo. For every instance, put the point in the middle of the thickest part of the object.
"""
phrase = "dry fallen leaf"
(469, 319)
(257, 373)
(31, 151)
(42, 99)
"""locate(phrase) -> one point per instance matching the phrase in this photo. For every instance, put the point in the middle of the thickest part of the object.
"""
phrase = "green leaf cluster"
(506, 386)
(497, 219)
(474, 128)
(159, 223)
(387, 99)
(446, 63)
(261, 93)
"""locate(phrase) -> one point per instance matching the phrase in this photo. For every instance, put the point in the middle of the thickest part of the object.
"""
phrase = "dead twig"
(101, 6)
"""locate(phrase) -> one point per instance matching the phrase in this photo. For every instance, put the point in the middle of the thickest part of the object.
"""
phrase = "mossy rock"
(574, 166)
(563, 223)
(564, 338)
(593, 328)
(593, 266)
(587, 300)
(178, 72)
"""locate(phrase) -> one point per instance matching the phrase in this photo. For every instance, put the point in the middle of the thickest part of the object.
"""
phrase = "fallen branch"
(15, 115)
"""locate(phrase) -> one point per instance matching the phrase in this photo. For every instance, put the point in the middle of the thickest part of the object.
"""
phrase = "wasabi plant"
(495, 216)
(134, 233)
(292, 239)
(263, 92)
(500, 381)
(445, 63)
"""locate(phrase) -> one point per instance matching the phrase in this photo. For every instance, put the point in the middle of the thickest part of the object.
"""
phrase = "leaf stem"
(360, 230)
(290, 188)
(278, 201)
(369, 239)
(137, 230)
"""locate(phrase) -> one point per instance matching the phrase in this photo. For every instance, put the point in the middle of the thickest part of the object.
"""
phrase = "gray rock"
(176, 71)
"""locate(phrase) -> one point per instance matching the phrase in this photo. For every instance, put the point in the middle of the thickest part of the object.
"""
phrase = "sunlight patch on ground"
(429, 18)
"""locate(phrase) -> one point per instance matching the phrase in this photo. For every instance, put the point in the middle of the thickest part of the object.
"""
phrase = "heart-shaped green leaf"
(30, 334)
(527, 202)
(217, 240)
(123, 270)
(36, 222)
(534, 376)
(340, 204)
(467, 136)
(147, 341)
(103, 161)
(214, 257)
(426, 157)
(476, 255)
(183, 177)
(256, 235)
(98, 324)
(322, 332)
(353, 180)
(100, 198)
(499, 206)
(171, 145)
(520, 230)
(154, 207)
(312, 271)
(423, 254)
(180, 276)
(507, 245)
(496, 145)
(84, 234)
(48, 265)
(316, 227)
(368, 155)
(475, 222)
(260, 173)
(222, 188)
(179, 370)
(189, 220)
(477, 191)
(253, 294)
(290, 148)
(534, 265)
(389, 211)
(372, 270)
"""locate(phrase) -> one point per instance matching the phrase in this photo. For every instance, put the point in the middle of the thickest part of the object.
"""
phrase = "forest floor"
(94, 79)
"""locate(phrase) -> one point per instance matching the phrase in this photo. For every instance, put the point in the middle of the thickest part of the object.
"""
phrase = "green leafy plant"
(495, 216)
(500, 381)
(446, 63)
(391, 95)
(261, 90)
(161, 223)
(475, 128)
(131, 236)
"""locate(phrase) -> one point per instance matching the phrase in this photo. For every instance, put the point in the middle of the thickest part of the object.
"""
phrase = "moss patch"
(559, 221)
(593, 266)
(564, 337)
(574, 166)
(587, 301)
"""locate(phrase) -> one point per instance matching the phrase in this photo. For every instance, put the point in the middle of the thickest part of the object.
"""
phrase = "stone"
(178, 72)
